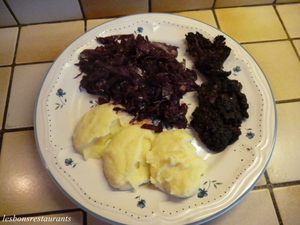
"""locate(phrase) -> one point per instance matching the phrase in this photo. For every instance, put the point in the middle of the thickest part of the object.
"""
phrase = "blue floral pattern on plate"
(236, 70)
(70, 165)
(249, 133)
(93, 103)
(139, 30)
(60, 93)
(203, 191)
(141, 202)
(70, 162)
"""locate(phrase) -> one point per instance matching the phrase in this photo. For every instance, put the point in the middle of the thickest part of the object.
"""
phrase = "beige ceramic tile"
(288, 201)
(39, 11)
(25, 185)
(44, 42)
(4, 83)
(255, 208)
(91, 220)
(228, 3)
(262, 181)
(93, 23)
(287, 1)
(297, 46)
(290, 15)
(6, 19)
(205, 16)
(280, 63)
(8, 44)
(26, 84)
(103, 8)
(284, 164)
(74, 218)
(248, 24)
(179, 5)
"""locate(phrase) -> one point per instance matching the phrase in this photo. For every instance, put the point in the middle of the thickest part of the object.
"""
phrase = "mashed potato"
(175, 166)
(96, 129)
(133, 156)
(124, 160)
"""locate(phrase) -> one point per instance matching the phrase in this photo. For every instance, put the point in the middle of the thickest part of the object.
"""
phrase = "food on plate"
(222, 105)
(222, 108)
(124, 159)
(138, 81)
(175, 166)
(96, 128)
(209, 55)
(133, 156)
(148, 82)
(143, 76)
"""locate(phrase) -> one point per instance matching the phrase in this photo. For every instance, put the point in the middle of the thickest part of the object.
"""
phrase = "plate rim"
(145, 15)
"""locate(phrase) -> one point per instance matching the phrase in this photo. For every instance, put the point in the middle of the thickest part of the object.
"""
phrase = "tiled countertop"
(271, 33)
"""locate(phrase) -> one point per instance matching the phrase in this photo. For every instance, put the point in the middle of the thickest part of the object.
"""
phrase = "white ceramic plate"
(231, 174)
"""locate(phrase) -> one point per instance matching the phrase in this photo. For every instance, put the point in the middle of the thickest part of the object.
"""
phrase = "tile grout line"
(216, 19)
(263, 41)
(11, 12)
(278, 102)
(149, 5)
(84, 215)
(28, 63)
(275, 205)
(297, 53)
(12, 66)
(270, 186)
(82, 9)
(285, 30)
(84, 18)
(50, 22)
(214, 4)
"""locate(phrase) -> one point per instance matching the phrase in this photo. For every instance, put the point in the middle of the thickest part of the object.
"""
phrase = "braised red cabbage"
(143, 76)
